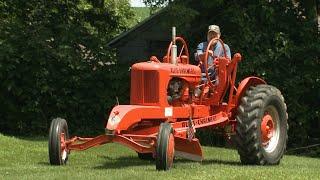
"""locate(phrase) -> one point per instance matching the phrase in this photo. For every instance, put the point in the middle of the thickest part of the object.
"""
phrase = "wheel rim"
(63, 148)
(270, 129)
(170, 150)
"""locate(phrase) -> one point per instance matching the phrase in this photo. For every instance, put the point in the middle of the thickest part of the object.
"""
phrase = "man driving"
(215, 51)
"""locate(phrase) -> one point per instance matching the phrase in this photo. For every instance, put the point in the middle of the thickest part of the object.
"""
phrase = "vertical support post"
(174, 47)
(234, 64)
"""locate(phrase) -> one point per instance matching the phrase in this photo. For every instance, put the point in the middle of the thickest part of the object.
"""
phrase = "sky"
(137, 3)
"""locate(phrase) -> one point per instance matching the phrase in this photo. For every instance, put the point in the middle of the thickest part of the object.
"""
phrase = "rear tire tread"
(248, 119)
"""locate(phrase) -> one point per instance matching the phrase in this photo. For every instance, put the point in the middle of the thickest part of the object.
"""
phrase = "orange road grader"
(171, 99)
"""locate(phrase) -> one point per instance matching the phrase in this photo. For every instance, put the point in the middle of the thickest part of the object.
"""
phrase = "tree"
(318, 13)
(54, 61)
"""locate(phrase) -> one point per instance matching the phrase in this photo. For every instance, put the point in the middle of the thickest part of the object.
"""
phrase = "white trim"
(168, 112)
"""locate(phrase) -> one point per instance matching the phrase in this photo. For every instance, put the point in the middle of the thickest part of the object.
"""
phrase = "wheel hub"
(267, 128)
(63, 147)
(170, 150)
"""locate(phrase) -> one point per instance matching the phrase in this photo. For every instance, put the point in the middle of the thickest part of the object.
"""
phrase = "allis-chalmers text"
(183, 71)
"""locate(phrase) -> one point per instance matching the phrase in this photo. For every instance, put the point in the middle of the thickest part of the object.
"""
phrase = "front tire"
(165, 147)
(261, 132)
(58, 135)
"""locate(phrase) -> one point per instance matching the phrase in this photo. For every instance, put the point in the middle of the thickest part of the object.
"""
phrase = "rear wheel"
(165, 147)
(261, 126)
(58, 135)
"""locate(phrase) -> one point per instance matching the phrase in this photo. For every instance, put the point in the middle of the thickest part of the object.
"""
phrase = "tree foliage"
(54, 61)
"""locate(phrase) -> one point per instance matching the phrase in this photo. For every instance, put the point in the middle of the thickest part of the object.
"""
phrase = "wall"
(152, 38)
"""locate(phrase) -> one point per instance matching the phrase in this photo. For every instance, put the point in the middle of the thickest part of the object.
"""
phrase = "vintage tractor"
(169, 100)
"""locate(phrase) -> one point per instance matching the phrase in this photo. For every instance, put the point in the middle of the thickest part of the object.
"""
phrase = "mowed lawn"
(28, 159)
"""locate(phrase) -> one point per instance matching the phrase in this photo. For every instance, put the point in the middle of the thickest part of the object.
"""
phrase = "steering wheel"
(207, 55)
(183, 49)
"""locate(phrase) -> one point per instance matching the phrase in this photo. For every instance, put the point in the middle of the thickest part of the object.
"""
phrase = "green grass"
(28, 159)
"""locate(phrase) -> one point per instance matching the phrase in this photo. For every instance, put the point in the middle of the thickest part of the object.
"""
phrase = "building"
(150, 37)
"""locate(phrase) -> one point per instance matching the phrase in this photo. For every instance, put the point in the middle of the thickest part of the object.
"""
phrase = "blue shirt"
(217, 51)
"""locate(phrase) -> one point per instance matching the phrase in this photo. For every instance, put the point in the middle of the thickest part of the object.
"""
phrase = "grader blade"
(188, 149)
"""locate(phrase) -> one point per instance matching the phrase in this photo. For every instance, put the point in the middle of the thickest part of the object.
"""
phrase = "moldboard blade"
(188, 149)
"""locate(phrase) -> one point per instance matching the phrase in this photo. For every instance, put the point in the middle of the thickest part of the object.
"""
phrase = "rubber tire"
(58, 125)
(146, 156)
(248, 131)
(165, 130)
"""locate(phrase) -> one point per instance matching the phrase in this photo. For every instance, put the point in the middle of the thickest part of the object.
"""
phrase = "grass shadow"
(130, 161)
(313, 152)
(219, 161)
(123, 162)
(211, 161)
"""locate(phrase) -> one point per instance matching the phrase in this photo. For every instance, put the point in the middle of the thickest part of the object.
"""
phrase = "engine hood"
(181, 70)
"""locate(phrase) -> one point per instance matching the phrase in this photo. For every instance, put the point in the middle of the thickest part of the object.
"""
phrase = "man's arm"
(228, 52)
(199, 51)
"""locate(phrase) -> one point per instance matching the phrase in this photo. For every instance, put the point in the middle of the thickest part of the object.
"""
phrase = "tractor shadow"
(122, 162)
(211, 162)
(131, 161)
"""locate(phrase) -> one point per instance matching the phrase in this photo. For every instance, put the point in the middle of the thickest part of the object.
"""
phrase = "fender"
(123, 116)
(245, 84)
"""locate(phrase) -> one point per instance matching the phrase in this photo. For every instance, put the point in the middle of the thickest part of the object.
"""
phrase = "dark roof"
(117, 39)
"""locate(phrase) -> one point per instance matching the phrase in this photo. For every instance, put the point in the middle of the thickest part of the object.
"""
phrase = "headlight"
(113, 122)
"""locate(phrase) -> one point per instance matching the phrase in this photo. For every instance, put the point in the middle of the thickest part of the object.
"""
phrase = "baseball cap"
(214, 28)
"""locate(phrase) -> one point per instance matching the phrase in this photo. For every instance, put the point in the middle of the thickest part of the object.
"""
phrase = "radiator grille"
(144, 86)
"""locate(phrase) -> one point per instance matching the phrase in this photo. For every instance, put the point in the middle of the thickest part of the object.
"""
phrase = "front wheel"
(58, 135)
(261, 132)
(165, 147)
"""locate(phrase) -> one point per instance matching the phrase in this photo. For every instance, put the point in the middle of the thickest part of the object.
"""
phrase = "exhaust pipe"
(174, 47)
